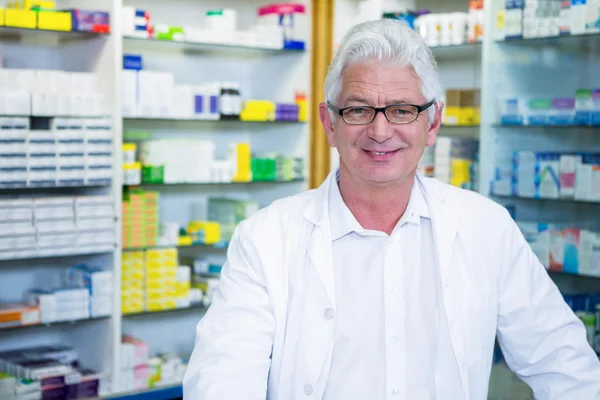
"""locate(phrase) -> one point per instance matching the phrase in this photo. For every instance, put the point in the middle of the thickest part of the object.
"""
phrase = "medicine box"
(18, 315)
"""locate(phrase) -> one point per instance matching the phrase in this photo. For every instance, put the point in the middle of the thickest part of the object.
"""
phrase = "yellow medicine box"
(1, 17)
(241, 154)
(160, 273)
(18, 18)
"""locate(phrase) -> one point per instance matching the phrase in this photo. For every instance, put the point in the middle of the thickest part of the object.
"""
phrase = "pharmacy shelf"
(199, 46)
(587, 41)
(62, 188)
(197, 306)
(57, 256)
(564, 126)
(169, 185)
(543, 199)
(219, 246)
(41, 35)
(164, 393)
(583, 276)
(458, 51)
(52, 324)
(205, 121)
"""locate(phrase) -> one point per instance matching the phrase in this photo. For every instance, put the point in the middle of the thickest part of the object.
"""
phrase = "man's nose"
(380, 129)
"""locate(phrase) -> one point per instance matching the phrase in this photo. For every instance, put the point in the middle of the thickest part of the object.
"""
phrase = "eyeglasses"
(395, 113)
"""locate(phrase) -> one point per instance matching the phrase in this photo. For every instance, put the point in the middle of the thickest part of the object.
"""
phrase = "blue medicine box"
(132, 62)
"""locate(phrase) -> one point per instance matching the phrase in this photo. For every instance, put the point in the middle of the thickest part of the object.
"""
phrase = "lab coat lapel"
(319, 244)
(445, 227)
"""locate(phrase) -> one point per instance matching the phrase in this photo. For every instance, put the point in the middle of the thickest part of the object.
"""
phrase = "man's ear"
(327, 124)
(436, 125)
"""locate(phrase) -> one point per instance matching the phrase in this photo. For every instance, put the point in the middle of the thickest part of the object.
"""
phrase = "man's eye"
(399, 111)
(358, 111)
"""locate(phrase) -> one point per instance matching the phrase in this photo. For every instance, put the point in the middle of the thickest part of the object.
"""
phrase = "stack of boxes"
(48, 372)
(182, 286)
(150, 281)
(51, 93)
(140, 372)
(36, 14)
(583, 109)
(161, 279)
(45, 227)
(462, 107)
(180, 161)
(134, 374)
(74, 152)
(132, 282)
(98, 282)
(140, 219)
(455, 162)
(547, 175)
(547, 18)
(571, 250)
(60, 305)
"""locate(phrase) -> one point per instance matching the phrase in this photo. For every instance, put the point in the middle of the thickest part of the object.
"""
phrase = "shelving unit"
(53, 324)
(198, 306)
(263, 73)
(199, 46)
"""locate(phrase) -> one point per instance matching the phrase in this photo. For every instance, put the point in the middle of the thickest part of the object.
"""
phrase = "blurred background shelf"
(200, 47)
(199, 306)
(63, 324)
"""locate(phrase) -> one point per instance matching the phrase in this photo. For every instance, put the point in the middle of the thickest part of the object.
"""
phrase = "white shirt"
(387, 296)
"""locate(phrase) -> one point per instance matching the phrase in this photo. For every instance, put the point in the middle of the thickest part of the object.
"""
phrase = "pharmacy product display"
(66, 152)
(453, 161)
(154, 94)
(55, 226)
(140, 370)
(547, 175)
(43, 15)
(142, 227)
(277, 27)
(172, 161)
(462, 107)
(445, 29)
(51, 93)
(152, 280)
(560, 248)
(86, 293)
(47, 372)
(582, 109)
(546, 18)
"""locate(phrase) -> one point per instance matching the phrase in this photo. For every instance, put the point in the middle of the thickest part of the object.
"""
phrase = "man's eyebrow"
(401, 101)
(357, 99)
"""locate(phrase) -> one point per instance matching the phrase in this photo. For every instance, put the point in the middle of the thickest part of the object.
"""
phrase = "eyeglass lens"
(395, 114)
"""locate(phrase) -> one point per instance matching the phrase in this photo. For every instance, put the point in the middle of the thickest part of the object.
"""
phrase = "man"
(383, 284)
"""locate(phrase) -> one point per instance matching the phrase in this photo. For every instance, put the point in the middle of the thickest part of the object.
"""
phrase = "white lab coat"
(266, 335)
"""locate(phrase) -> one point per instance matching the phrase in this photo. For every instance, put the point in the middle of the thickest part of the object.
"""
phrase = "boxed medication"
(18, 315)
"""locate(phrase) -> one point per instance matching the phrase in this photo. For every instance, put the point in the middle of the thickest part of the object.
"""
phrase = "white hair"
(388, 41)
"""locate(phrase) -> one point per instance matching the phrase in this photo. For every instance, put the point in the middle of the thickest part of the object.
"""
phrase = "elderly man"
(383, 284)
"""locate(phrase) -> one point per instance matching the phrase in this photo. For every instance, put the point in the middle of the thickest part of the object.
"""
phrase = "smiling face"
(380, 152)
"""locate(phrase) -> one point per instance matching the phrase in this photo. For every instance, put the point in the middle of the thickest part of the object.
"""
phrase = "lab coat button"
(395, 391)
(329, 313)
(308, 390)
(394, 340)
(393, 289)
